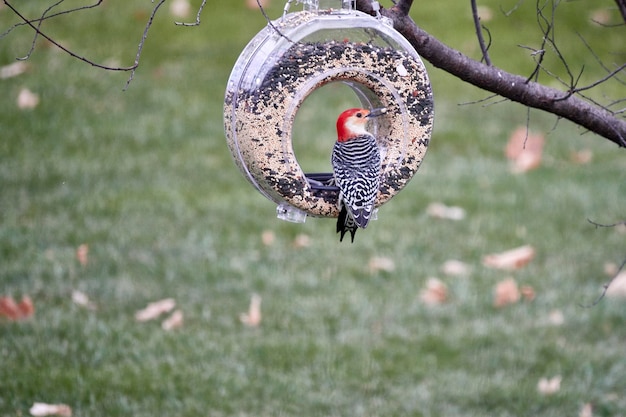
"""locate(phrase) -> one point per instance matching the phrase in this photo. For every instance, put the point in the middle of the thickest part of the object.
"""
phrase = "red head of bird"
(352, 122)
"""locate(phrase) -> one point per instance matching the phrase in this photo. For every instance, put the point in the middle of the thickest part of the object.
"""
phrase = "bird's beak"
(377, 112)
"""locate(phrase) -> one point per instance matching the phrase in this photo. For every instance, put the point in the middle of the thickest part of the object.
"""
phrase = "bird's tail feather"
(346, 223)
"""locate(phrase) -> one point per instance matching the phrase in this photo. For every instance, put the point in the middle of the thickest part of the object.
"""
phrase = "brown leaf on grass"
(617, 287)
(253, 317)
(381, 263)
(455, 268)
(12, 310)
(510, 259)
(524, 150)
(13, 70)
(43, 409)
(586, 410)
(155, 309)
(252, 4)
(528, 292)
(549, 386)
(441, 211)
(302, 241)
(174, 321)
(581, 157)
(81, 299)
(435, 292)
(180, 8)
(82, 254)
(506, 292)
(27, 100)
(268, 237)
(556, 318)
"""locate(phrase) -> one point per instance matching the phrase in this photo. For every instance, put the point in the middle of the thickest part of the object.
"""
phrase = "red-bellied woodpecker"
(356, 169)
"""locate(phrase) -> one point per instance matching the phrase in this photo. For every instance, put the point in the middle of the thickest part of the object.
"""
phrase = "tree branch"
(513, 87)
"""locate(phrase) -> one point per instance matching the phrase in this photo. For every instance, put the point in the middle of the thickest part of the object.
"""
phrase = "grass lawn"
(145, 180)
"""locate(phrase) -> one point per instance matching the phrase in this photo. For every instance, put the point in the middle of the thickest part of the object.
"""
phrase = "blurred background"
(113, 198)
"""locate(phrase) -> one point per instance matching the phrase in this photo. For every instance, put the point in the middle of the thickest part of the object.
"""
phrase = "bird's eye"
(359, 114)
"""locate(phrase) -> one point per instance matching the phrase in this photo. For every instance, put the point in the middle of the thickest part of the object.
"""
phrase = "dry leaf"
(455, 268)
(617, 287)
(82, 254)
(524, 149)
(582, 157)
(436, 292)
(556, 318)
(180, 8)
(253, 317)
(511, 259)
(549, 386)
(81, 299)
(528, 292)
(268, 237)
(27, 100)
(155, 309)
(14, 311)
(506, 292)
(174, 321)
(381, 263)
(43, 409)
(302, 241)
(441, 211)
(13, 70)
(601, 17)
(252, 4)
(586, 410)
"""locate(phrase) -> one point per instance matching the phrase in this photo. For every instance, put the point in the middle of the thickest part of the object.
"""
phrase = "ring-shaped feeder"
(299, 53)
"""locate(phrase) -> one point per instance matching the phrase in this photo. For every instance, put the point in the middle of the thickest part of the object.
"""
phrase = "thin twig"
(479, 33)
(141, 43)
(197, 22)
(72, 54)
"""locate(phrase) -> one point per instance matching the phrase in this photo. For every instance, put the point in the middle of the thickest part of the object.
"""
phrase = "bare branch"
(479, 34)
(621, 5)
(597, 119)
(72, 54)
(197, 22)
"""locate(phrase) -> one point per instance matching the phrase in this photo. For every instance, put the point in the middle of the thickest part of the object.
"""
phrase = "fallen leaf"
(43, 409)
(174, 321)
(556, 318)
(13, 70)
(528, 292)
(155, 309)
(511, 259)
(253, 317)
(549, 386)
(82, 254)
(268, 237)
(455, 268)
(302, 241)
(484, 13)
(14, 311)
(27, 100)
(252, 4)
(436, 292)
(506, 292)
(586, 410)
(581, 157)
(441, 211)
(524, 149)
(617, 287)
(180, 8)
(600, 17)
(381, 263)
(81, 299)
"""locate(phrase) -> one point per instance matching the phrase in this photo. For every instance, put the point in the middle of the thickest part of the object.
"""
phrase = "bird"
(356, 169)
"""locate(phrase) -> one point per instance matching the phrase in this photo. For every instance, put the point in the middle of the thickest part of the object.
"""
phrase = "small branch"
(621, 5)
(514, 87)
(479, 33)
(72, 54)
(197, 22)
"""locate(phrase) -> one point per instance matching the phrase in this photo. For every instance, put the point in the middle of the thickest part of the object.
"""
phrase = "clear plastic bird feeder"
(300, 52)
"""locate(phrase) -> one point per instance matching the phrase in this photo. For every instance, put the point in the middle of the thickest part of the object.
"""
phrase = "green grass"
(144, 178)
